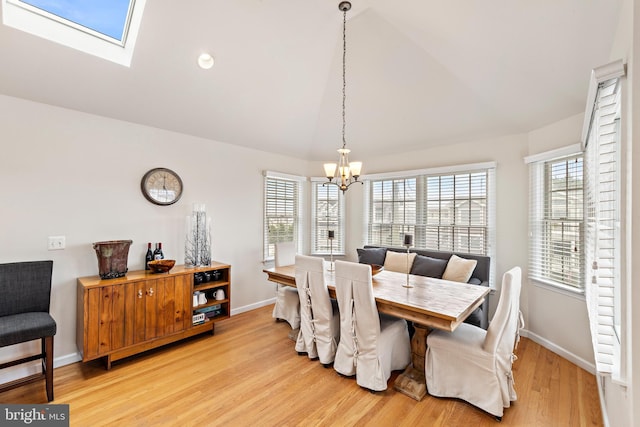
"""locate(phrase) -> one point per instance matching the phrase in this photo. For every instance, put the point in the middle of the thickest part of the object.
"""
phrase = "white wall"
(78, 175)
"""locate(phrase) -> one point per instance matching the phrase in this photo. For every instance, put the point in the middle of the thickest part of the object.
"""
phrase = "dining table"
(427, 302)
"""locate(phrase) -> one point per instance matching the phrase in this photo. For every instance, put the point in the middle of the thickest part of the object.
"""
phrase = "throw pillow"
(371, 255)
(397, 261)
(428, 266)
(459, 269)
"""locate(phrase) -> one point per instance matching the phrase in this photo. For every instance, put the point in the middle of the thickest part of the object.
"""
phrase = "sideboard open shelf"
(117, 318)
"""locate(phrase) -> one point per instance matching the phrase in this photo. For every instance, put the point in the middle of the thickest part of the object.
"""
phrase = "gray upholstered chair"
(371, 344)
(473, 364)
(25, 291)
(287, 305)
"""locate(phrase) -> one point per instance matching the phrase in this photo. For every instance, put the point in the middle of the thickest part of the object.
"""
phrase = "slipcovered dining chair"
(287, 301)
(371, 344)
(319, 317)
(25, 291)
(473, 364)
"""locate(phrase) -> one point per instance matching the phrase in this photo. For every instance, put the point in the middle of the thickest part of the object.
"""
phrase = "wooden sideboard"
(117, 318)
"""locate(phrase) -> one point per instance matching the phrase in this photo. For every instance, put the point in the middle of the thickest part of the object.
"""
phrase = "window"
(448, 209)
(393, 211)
(556, 222)
(282, 210)
(107, 17)
(457, 215)
(327, 214)
(104, 28)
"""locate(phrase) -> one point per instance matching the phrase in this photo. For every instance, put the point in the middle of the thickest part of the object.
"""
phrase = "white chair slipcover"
(319, 317)
(473, 364)
(287, 302)
(371, 344)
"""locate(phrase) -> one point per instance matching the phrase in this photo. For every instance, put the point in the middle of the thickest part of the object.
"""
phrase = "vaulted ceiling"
(419, 72)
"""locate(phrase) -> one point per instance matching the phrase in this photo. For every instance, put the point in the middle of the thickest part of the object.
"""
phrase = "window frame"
(38, 22)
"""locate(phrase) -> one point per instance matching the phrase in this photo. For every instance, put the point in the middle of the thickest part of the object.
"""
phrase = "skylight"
(107, 17)
(104, 28)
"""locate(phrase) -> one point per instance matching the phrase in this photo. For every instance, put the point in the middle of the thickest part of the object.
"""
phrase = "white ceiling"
(419, 72)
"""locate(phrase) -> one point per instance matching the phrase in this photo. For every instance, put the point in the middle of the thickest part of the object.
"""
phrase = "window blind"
(327, 214)
(282, 211)
(602, 159)
(556, 222)
(444, 211)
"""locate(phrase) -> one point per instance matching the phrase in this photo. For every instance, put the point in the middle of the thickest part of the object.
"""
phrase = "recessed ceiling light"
(205, 61)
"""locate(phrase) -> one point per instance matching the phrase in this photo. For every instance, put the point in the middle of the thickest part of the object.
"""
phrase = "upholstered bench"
(458, 267)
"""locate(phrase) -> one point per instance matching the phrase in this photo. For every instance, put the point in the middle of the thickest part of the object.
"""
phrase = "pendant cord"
(344, 80)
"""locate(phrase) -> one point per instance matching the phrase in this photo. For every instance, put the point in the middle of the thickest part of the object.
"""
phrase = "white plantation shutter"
(282, 211)
(602, 209)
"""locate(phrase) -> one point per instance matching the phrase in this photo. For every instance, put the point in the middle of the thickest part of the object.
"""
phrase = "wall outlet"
(56, 243)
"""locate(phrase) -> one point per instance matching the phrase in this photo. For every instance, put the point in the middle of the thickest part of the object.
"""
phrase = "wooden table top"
(435, 303)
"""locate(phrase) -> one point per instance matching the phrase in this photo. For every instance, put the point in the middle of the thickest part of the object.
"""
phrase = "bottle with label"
(157, 254)
(148, 257)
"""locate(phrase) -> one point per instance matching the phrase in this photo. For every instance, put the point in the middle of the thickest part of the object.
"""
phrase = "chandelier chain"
(344, 74)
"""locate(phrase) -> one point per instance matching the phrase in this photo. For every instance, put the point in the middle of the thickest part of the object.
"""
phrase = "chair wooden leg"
(48, 365)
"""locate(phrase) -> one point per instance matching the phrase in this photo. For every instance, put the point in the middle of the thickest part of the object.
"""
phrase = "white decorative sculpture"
(197, 245)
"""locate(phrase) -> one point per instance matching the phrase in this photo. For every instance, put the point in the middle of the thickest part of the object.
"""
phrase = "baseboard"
(32, 368)
(579, 361)
(250, 307)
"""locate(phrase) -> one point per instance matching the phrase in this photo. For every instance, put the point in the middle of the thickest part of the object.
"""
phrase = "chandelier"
(347, 173)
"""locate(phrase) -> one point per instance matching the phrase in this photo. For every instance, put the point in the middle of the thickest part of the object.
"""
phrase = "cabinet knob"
(139, 293)
(150, 292)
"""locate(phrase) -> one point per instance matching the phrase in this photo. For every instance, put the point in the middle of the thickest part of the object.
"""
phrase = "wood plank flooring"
(249, 374)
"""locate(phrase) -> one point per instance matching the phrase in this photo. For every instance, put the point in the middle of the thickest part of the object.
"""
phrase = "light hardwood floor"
(248, 374)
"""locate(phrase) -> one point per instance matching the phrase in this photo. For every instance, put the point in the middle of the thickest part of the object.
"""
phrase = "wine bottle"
(148, 257)
(157, 254)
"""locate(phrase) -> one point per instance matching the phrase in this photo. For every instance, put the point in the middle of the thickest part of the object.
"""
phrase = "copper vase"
(112, 258)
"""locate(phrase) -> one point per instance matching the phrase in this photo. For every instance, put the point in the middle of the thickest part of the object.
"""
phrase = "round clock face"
(161, 186)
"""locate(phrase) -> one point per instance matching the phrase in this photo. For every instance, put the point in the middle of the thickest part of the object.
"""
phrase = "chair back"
(316, 336)
(285, 253)
(503, 328)
(25, 287)
(359, 319)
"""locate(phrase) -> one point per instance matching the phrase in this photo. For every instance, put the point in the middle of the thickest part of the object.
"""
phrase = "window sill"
(559, 288)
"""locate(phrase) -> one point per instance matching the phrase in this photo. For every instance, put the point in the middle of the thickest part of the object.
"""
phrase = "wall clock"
(161, 186)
